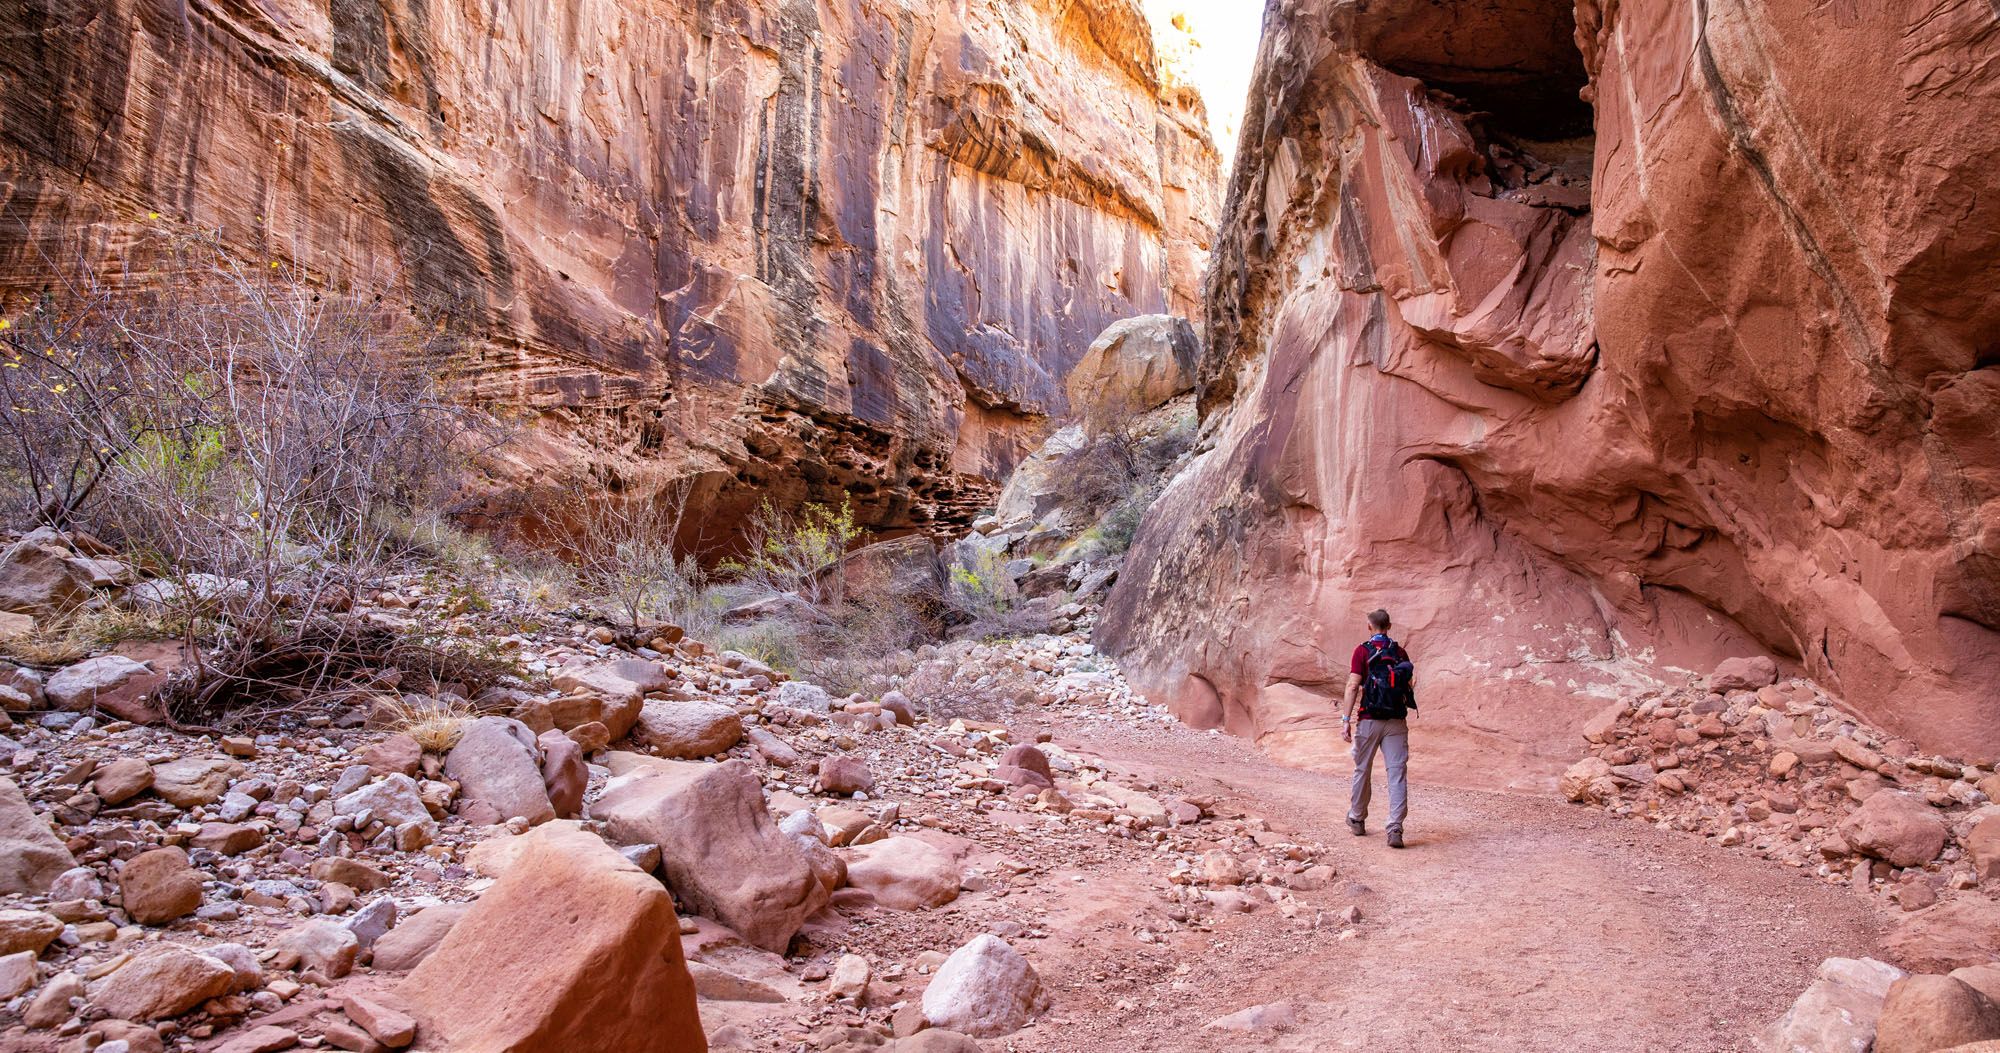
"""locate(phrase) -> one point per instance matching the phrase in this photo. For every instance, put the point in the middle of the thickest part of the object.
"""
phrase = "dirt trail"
(1509, 923)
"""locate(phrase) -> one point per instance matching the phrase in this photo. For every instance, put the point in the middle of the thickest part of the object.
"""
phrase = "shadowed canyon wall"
(798, 248)
(1597, 343)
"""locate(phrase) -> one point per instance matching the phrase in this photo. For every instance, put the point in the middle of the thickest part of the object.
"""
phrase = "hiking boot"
(1395, 837)
(1357, 826)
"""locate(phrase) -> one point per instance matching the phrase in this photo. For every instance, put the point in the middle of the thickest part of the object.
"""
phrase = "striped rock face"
(1598, 343)
(794, 248)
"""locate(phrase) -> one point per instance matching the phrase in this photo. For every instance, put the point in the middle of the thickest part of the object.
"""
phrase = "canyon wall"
(794, 248)
(1596, 343)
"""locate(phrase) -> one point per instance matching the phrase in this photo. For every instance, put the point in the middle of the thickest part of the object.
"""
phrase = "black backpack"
(1385, 693)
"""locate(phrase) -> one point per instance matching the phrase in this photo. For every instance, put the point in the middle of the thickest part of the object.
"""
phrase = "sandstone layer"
(794, 248)
(1597, 344)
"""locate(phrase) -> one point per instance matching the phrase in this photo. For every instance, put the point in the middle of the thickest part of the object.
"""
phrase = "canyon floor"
(1171, 889)
(1510, 922)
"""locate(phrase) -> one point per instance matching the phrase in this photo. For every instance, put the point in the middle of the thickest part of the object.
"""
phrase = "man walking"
(1378, 679)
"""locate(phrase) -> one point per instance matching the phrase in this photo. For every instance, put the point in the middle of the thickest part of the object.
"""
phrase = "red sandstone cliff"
(803, 248)
(1595, 343)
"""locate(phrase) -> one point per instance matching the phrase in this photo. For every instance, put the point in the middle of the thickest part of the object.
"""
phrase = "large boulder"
(1897, 827)
(27, 930)
(31, 856)
(1956, 934)
(112, 682)
(191, 782)
(1926, 1013)
(564, 774)
(37, 576)
(1743, 674)
(1134, 365)
(160, 886)
(688, 730)
(496, 765)
(903, 873)
(1836, 1013)
(574, 949)
(394, 800)
(984, 989)
(121, 779)
(721, 852)
(414, 938)
(607, 692)
(162, 980)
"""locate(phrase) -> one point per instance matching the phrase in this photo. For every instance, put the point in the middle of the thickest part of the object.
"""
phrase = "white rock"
(77, 686)
(1837, 1013)
(393, 799)
(985, 989)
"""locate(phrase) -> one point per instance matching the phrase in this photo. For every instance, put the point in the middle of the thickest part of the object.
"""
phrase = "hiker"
(1378, 679)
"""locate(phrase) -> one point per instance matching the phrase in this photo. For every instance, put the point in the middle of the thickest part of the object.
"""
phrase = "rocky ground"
(1012, 851)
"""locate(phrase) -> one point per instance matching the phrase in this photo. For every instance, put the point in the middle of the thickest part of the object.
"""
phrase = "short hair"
(1379, 619)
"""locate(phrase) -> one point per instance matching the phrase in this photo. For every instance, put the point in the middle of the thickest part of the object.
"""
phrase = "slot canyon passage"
(841, 524)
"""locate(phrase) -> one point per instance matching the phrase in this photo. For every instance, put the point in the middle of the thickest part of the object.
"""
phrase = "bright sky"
(1224, 46)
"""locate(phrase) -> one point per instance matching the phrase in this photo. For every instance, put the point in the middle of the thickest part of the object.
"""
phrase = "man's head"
(1379, 619)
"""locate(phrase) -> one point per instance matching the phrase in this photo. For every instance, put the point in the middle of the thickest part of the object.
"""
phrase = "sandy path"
(1510, 923)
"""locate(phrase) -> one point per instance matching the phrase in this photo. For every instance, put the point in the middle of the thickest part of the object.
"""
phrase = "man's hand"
(1347, 731)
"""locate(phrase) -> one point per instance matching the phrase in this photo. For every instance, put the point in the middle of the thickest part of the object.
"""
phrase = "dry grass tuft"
(435, 723)
(82, 633)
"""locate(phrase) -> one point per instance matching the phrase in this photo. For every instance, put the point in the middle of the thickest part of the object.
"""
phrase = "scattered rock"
(717, 985)
(729, 861)
(194, 781)
(495, 764)
(1897, 827)
(113, 682)
(351, 872)
(18, 973)
(52, 1006)
(1837, 1013)
(688, 730)
(321, 946)
(1277, 1016)
(31, 857)
(1926, 1013)
(574, 948)
(904, 873)
(395, 755)
(564, 774)
(1588, 780)
(122, 779)
(395, 800)
(159, 886)
(161, 980)
(850, 977)
(415, 937)
(389, 1026)
(267, 1038)
(774, 750)
(985, 989)
(1954, 934)
(844, 776)
(27, 930)
(1743, 674)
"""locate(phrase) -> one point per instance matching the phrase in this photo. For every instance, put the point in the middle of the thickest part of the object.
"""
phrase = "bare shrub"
(253, 438)
(626, 553)
(952, 685)
(786, 553)
(71, 383)
(985, 603)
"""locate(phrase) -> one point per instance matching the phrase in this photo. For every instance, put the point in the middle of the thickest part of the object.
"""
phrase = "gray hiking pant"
(1392, 738)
